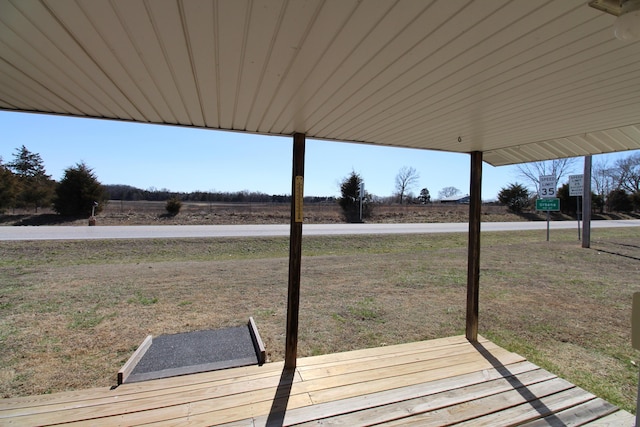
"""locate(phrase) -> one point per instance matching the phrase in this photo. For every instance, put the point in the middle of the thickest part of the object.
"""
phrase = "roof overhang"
(518, 80)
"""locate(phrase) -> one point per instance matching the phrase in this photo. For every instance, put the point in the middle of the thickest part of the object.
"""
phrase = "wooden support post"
(295, 252)
(586, 203)
(473, 271)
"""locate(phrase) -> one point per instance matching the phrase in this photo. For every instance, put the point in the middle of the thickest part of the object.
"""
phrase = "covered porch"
(447, 381)
(504, 81)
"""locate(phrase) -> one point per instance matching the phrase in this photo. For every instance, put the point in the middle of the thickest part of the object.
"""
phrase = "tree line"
(615, 187)
(357, 205)
(25, 184)
(130, 193)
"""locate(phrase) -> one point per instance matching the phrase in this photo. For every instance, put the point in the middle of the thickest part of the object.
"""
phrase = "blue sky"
(184, 159)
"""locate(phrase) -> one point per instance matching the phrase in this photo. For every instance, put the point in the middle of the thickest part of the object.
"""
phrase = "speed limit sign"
(547, 189)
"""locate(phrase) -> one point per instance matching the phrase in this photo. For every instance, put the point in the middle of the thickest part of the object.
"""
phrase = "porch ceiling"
(518, 80)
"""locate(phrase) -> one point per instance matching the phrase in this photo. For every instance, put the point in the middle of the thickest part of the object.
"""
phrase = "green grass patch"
(142, 299)
(266, 313)
(366, 309)
(88, 319)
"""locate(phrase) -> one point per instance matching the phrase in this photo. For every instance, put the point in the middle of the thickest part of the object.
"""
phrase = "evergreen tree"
(35, 187)
(350, 200)
(27, 164)
(78, 192)
(424, 196)
(8, 188)
(515, 197)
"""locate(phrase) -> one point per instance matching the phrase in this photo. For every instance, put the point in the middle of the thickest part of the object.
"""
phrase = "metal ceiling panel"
(520, 80)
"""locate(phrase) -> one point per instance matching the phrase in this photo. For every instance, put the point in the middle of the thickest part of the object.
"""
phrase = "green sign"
(547, 204)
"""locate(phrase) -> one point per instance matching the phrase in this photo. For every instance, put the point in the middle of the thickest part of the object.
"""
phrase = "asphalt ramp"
(192, 352)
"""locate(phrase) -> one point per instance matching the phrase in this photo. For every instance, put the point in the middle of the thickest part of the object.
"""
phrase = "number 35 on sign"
(547, 187)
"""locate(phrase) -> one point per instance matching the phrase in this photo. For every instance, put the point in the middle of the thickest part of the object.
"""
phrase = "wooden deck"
(431, 383)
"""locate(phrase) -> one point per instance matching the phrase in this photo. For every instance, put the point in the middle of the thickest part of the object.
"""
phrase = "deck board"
(577, 415)
(619, 418)
(435, 382)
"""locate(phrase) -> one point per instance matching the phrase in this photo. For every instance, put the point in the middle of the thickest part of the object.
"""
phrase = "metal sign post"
(576, 189)
(361, 198)
(548, 205)
(548, 225)
(546, 190)
(578, 214)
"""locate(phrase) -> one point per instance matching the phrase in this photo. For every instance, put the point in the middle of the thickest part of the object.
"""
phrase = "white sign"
(547, 187)
(576, 185)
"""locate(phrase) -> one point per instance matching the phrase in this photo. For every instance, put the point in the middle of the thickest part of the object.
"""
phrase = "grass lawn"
(72, 312)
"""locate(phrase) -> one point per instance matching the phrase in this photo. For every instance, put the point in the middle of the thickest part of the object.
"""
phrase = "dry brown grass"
(192, 213)
(201, 213)
(71, 313)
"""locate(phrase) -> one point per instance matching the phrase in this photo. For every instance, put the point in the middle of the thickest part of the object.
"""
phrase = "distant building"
(457, 199)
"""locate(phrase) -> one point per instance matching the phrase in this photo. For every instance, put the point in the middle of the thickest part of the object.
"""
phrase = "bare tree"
(602, 177)
(559, 167)
(406, 179)
(448, 192)
(627, 173)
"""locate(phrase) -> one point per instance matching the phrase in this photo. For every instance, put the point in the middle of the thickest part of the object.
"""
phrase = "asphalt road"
(187, 231)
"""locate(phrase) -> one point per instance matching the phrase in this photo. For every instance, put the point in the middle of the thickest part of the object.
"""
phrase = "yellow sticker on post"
(298, 198)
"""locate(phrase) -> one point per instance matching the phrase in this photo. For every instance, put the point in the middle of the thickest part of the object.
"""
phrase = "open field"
(72, 312)
(194, 213)
(202, 213)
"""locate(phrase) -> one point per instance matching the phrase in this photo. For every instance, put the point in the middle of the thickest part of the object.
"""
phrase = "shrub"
(515, 197)
(568, 204)
(597, 203)
(635, 201)
(619, 201)
(173, 206)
